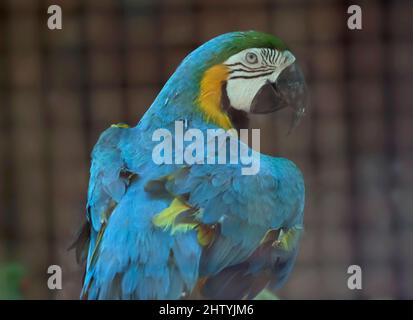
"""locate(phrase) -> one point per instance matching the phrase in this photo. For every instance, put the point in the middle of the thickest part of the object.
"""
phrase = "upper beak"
(289, 90)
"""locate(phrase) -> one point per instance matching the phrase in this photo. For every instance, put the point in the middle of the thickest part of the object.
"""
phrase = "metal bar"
(123, 56)
(48, 129)
(351, 151)
(83, 54)
(8, 172)
(391, 180)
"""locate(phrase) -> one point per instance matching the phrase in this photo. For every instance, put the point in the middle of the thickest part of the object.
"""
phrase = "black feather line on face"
(253, 76)
(261, 69)
(264, 54)
(272, 58)
(243, 65)
(239, 118)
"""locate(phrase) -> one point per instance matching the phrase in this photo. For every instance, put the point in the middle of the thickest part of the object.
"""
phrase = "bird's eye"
(251, 58)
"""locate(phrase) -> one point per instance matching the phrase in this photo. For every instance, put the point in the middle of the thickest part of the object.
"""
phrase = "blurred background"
(60, 89)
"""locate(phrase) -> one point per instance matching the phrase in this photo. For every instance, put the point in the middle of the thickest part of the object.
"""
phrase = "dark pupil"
(251, 58)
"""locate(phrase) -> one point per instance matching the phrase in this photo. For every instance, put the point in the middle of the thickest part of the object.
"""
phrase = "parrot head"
(241, 73)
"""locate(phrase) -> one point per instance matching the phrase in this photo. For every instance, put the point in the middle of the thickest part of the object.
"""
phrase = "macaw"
(197, 230)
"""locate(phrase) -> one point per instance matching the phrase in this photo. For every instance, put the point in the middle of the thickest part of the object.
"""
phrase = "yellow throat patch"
(209, 98)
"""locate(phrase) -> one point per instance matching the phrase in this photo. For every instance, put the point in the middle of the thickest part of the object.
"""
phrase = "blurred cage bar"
(60, 89)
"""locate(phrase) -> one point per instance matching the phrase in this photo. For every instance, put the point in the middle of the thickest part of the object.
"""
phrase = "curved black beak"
(289, 90)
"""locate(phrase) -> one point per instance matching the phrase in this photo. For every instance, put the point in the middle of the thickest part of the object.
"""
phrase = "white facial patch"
(250, 69)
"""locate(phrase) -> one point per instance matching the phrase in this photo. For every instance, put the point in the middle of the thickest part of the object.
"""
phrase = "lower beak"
(289, 90)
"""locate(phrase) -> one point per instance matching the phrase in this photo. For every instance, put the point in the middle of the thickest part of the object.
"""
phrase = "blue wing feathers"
(136, 260)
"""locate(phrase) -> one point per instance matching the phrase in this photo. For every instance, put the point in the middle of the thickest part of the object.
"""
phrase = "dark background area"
(60, 89)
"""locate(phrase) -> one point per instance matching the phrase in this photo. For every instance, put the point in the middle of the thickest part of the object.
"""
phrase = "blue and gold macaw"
(197, 230)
